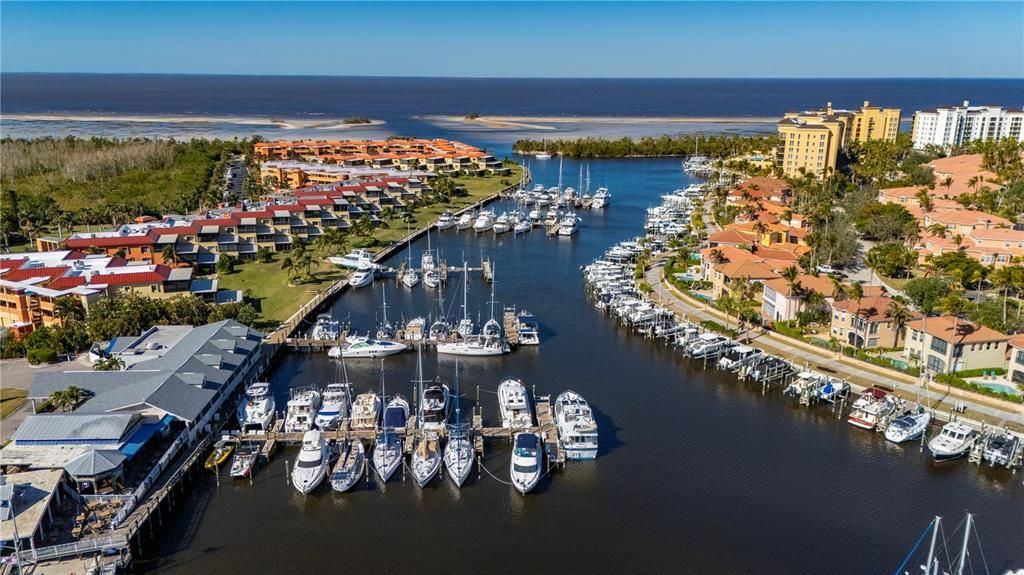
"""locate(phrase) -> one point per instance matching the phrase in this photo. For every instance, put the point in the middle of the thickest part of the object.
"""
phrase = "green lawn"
(478, 188)
(11, 398)
(266, 287)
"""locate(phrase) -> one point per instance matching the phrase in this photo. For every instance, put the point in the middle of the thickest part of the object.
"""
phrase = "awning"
(143, 434)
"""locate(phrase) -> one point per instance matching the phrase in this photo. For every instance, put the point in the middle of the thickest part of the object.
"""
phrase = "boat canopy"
(394, 416)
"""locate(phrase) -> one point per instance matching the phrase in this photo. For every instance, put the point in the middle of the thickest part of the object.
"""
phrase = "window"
(936, 364)
(939, 345)
(1020, 357)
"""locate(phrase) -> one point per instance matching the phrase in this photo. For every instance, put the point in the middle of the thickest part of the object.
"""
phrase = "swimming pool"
(1000, 387)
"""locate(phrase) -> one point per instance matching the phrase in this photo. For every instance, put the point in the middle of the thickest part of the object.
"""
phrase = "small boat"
(350, 466)
(221, 452)
(387, 453)
(365, 411)
(522, 226)
(474, 345)
(602, 197)
(908, 426)
(577, 429)
(542, 156)
(354, 260)
(301, 410)
(491, 328)
(311, 464)
(431, 278)
(484, 221)
(426, 459)
(364, 347)
(1001, 447)
(439, 330)
(458, 452)
(244, 461)
(447, 220)
(514, 405)
(527, 457)
(362, 277)
(953, 442)
(709, 345)
(256, 411)
(501, 224)
(465, 221)
(410, 278)
(434, 406)
(738, 356)
(334, 406)
(325, 328)
(528, 328)
(870, 408)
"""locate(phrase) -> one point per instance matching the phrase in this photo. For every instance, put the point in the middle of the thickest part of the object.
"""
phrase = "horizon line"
(443, 77)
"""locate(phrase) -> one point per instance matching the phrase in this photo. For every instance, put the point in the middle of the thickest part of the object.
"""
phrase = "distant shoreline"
(538, 122)
(286, 124)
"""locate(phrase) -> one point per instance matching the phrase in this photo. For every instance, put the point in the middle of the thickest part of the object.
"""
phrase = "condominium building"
(240, 231)
(951, 344)
(956, 125)
(31, 283)
(436, 156)
(1015, 369)
(812, 139)
(865, 322)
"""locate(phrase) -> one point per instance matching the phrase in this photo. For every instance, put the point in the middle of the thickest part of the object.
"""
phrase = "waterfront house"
(782, 302)
(951, 344)
(1015, 364)
(866, 322)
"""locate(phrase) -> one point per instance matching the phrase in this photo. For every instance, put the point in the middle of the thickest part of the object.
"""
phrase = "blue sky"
(607, 39)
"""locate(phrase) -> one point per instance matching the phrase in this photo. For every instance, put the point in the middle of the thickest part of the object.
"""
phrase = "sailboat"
(543, 155)
(458, 453)
(385, 330)
(387, 452)
(431, 277)
(426, 457)
(492, 328)
(409, 277)
(440, 329)
(465, 327)
(349, 467)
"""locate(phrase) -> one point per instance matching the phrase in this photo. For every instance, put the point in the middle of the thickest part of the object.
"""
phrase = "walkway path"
(858, 373)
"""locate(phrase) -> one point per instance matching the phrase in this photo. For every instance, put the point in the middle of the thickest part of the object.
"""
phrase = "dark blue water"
(396, 98)
(403, 102)
(697, 472)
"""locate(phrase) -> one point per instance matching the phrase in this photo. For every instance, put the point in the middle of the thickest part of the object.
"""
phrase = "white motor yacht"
(873, 405)
(301, 410)
(354, 260)
(953, 442)
(410, 278)
(426, 459)
(364, 347)
(501, 224)
(601, 198)
(484, 221)
(738, 356)
(365, 411)
(431, 278)
(708, 345)
(514, 405)
(325, 328)
(522, 226)
(568, 225)
(349, 467)
(535, 215)
(465, 221)
(311, 464)
(244, 460)
(333, 407)
(446, 221)
(528, 328)
(542, 156)
(527, 457)
(908, 426)
(577, 429)
(474, 345)
(362, 277)
(256, 411)
(434, 406)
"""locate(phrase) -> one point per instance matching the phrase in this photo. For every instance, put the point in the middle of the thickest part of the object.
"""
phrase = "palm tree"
(875, 260)
(1002, 278)
(899, 314)
(958, 240)
(68, 308)
(924, 199)
(717, 256)
(290, 267)
(937, 230)
(59, 400)
(838, 289)
(855, 291)
(955, 305)
(169, 255)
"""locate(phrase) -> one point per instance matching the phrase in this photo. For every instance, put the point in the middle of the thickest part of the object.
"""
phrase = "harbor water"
(696, 472)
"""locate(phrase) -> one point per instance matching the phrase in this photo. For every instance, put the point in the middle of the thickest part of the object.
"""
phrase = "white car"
(827, 269)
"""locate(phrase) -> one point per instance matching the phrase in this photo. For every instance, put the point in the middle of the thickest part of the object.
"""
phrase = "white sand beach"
(287, 124)
(543, 122)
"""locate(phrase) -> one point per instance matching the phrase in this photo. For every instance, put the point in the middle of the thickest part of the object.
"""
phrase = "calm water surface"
(697, 472)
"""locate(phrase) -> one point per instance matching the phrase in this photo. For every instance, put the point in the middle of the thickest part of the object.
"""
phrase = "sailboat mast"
(931, 548)
(560, 173)
(963, 548)
(419, 383)
(465, 289)
(492, 291)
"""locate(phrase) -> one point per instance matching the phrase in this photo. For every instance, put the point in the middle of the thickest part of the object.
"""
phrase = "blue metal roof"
(142, 435)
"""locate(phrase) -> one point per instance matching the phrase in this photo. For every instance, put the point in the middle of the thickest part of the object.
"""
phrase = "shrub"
(718, 328)
(957, 380)
(41, 355)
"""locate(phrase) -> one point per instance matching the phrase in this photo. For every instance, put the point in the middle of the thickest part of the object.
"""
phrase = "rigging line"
(914, 548)
(945, 547)
(977, 538)
(493, 476)
(951, 535)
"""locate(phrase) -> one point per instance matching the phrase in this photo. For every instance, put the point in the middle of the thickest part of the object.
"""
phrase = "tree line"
(715, 146)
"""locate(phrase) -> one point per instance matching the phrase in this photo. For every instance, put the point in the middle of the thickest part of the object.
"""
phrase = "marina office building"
(957, 125)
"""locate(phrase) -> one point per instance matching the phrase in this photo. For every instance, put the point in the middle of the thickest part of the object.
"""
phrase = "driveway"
(17, 373)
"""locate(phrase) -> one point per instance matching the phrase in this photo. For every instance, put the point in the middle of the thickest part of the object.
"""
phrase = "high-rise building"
(956, 125)
(874, 123)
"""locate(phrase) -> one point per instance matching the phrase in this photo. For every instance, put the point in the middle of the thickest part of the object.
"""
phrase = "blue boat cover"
(394, 417)
(527, 440)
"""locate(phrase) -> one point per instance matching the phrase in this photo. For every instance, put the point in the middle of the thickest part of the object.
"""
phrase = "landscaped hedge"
(957, 380)
(718, 328)
(41, 355)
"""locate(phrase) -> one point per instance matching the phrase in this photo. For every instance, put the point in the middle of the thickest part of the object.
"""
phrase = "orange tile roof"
(870, 308)
(1017, 341)
(820, 284)
(749, 269)
(967, 217)
(731, 236)
(966, 331)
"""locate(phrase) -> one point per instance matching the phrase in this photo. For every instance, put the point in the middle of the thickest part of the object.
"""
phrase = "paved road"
(18, 373)
(991, 410)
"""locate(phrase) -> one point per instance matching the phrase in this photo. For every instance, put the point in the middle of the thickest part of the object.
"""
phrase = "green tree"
(68, 308)
(264, 255)
(168, 255)
(226, 264)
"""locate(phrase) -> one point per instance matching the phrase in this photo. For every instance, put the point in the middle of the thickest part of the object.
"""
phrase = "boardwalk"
(859, 374)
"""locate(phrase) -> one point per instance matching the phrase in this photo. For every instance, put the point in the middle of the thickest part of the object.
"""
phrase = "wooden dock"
(488, 270)
(511, 331)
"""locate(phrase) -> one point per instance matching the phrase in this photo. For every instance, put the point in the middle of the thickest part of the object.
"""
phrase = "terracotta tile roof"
(41, 272)
(731, 236)
(998, 234)
(1017, 341)
(967, 217)
(869, 308)
(820, 284)
(754, 270)
(966, 331)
